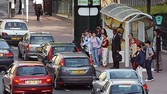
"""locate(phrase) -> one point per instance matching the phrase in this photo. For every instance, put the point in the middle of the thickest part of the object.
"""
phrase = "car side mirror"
(95, 78)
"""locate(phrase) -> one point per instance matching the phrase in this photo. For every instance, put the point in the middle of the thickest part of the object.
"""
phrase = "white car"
(12, 30)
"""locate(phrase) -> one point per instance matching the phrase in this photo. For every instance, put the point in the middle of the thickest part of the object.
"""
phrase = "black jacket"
(116, 43)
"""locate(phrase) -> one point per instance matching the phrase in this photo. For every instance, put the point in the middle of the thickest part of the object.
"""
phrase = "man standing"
(38, 6)
(116, 47)
(20, 7)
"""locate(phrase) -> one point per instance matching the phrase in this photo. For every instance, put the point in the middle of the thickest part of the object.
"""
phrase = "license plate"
(1, 54)
(33, 82)
(15, 38)
(78, 72)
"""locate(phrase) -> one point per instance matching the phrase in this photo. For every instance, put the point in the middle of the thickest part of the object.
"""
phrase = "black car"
(71, 68)
(6, 54)
(49, 49)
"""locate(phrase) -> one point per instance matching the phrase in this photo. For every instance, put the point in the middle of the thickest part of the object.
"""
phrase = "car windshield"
(76, 62)
(15, 26)
(4, 45)
(63, 49)
(123, 75)
(31, 70)
(126, 89)
(40, 39)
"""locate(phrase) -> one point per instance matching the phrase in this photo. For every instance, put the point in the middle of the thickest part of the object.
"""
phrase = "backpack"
(154, 56)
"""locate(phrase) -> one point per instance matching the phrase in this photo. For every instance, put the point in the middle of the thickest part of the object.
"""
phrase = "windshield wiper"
(36, 73)
(133, 92)
(83, 66)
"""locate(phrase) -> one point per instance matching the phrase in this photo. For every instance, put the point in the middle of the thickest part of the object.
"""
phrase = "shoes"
(37, 18)
(149, 80)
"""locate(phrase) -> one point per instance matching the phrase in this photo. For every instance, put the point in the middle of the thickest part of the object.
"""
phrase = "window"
(15, 26)
(123, 75)
(76, 62)
(103, 76)
(31, 70)
(40, 39)
(63, 49)
(4, 45)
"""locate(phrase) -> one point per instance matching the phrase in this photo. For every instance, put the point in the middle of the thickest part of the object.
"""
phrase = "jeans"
(95, 56)
(148, 68)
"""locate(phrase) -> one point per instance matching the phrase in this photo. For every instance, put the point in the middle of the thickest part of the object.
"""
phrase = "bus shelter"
(130, 20)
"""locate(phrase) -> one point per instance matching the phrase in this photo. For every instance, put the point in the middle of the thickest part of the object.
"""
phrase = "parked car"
(116, 86)
(119, 74)
(27, 48)
(12, 30)
(71, 68)
(6, 54)
(25, 77)
(49, 49)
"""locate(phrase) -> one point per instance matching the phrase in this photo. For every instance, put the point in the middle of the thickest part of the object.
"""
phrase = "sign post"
(27, 4)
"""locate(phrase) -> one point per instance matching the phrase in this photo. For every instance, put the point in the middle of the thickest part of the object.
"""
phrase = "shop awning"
(121, 12)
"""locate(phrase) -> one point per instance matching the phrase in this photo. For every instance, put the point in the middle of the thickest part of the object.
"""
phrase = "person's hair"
(105, 32)
(131, 34)
(158, 31)
(139, 46)
(149, 42)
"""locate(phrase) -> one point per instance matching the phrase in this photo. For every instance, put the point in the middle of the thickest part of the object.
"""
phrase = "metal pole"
(127, 29)
(27, 3)
(22, 6)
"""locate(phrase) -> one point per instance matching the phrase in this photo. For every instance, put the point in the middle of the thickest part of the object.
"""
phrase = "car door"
(50, 66)
(98, 84)
(7, 79)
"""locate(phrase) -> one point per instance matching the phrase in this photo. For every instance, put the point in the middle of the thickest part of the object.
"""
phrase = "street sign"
(158, 19)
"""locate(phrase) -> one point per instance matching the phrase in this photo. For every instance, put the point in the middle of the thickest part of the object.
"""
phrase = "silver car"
(118, 74)
(127, 86)
(28, 47)
(13, 30)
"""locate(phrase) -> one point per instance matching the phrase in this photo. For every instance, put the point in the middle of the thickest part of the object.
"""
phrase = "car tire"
(25, 57)
(56, 85)
(19, 53)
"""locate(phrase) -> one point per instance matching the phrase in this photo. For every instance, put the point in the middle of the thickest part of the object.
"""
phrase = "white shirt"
(37, 1)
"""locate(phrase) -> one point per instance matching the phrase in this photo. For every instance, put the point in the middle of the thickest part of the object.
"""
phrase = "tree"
(148, 6)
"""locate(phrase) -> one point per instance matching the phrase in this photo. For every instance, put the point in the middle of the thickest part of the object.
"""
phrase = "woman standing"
(104, 46)
(96, 43)
(38, 6)
(133, 49)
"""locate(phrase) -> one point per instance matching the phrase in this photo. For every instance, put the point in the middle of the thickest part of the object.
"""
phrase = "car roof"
(125, 81)
(29, 63)
(61, 44)
(40, 34)
(73, 54)
(12, 20)
(110, 70)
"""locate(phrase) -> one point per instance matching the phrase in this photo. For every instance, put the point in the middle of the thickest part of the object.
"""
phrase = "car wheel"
(56, 85)
(19, 53)
(25, 57)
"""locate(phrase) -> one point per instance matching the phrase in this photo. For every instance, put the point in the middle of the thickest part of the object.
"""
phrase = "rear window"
(4, 45)
(31, 70)
(126, 89)
(123, 75)
(40, 39)
(76, 62)
(15, 26)
(63, 49)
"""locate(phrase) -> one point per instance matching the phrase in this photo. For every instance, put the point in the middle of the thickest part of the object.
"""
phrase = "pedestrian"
(116, 47)
(140, 60)
(38, 6)
(96, 44)
(131, 37)
(103, 32)
(82, 42)
(20, 7)
(157, 45)
(133, 50)
(86, 42)
(104, 47)
(89, 45)
(98, 31)
(149, 54)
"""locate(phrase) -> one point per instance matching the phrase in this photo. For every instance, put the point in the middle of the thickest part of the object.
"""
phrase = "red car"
(27, 77)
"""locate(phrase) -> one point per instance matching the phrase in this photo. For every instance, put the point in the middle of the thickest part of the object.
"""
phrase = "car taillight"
(50, 54)
(62, 62)
(90, 61)
(145, 86)
(9, 54)
(4, 34)
(17, 81)
(48, 80)
(27, 47)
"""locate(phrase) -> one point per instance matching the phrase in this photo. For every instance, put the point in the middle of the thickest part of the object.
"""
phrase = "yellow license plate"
(78, 72)
(15, 38)
(33, 82)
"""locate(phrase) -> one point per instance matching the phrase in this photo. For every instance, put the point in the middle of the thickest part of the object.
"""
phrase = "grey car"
(28, 47)
(71, 68)
(118, 74)
(127, 86)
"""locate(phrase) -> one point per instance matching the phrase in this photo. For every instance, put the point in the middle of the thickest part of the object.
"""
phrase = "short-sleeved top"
(37, 1)
(149, 51)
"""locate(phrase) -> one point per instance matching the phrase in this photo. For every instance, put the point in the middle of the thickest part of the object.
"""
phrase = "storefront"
(130, 21)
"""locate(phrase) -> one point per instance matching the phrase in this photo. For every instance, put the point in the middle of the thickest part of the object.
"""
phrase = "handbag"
(118, 57)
